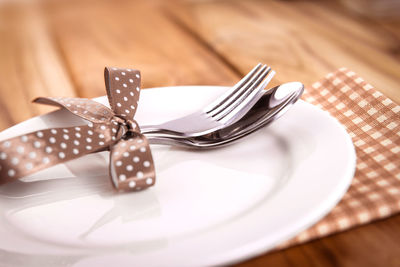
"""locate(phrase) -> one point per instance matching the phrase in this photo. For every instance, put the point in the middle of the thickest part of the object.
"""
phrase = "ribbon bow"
(131, 162)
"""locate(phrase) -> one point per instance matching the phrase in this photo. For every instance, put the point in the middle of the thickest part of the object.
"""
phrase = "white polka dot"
(75, 151)
(3, 155)
(137, 89)
(88, 147)
(24, 138)
(119, 105)
(90, 124)
(14, 161)
(89, 140)
(132, 107)
(65, 131)
(63, 145)
(131, 80)
(118, 91)
(102, 127)
(132, 148)
(76, 142)
(126, 154)
(66, 137)
(149, 181)
(117, 78)
(142, 149)
(146, 163)
(20, 149)
(122, 177)
(125, 98)
(114, 130)
(132, 184)
(90, 132)
(129, 168)
(32, 155)
(113, 138)
(77, 129)
(139, 175)
(139, 141)
(45, 160)
(101, 136)
(136, 159)
(78, 135)
(118, 163)
(124, 85)
(52, 140)
(126, 111)
(39, 134)
(29, 166)
(37, 144)
(11, 173)
(48, 150)
(53, 131)
(7, 144)
(137, 76)
(61, 155)
(101, 143)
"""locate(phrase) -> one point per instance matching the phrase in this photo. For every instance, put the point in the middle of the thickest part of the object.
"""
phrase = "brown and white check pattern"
(373, 122)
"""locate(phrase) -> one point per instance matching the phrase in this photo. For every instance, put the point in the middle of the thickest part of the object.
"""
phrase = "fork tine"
(238, 93)
(244, 106)
(220, 100)
(245, 103)
(242, 94)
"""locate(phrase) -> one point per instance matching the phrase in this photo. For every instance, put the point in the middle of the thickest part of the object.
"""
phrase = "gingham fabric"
(373, 122)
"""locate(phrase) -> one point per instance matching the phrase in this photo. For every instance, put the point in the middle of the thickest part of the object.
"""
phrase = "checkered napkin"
(373, 122)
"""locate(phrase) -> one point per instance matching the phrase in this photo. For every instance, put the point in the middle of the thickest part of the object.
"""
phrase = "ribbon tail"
(131, 164)
(29, 153)
(82, 107)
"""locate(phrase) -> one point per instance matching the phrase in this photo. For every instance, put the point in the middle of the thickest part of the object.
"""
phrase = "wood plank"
(30, 64)
(302, 40)
(138, 34)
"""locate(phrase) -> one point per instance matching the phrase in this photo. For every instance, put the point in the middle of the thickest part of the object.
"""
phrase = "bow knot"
(126, 128)
(131, 162)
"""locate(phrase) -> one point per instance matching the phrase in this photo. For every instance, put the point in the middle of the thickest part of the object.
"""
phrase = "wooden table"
(59, 48)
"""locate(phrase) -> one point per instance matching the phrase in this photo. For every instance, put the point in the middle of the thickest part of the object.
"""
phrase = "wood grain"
(92, 34)
(301, 40)
(30, 65)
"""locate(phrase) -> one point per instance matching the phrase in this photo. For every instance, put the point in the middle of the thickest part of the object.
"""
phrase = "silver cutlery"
(272, 105)
(225, 110)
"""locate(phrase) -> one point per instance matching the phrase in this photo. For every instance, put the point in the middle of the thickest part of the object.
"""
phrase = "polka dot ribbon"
(131, 162)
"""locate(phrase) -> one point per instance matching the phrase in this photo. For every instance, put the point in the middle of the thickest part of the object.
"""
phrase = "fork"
(225, 110)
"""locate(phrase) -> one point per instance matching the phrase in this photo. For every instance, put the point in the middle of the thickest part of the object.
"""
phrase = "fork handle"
(154, 129)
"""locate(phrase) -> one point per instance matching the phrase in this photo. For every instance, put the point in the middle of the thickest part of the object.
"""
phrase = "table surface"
(59, 48)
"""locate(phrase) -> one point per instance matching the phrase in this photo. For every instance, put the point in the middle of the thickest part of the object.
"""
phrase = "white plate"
(207, 207)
